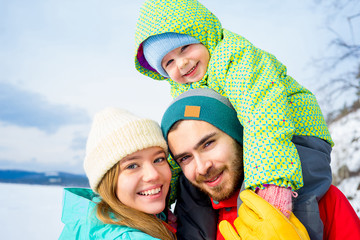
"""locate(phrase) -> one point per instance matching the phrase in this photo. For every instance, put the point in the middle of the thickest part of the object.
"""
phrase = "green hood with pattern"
(185, 17)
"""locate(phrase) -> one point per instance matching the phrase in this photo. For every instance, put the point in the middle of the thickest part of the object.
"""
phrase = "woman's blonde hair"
(111, 210)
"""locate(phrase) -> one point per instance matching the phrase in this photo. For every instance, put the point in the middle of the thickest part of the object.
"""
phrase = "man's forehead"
(191, 133)
(189, 126)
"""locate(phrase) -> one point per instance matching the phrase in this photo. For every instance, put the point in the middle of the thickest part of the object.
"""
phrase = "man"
(205, 139)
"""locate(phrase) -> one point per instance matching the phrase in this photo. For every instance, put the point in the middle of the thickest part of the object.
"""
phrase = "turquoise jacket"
(79, 217)
(271, 105)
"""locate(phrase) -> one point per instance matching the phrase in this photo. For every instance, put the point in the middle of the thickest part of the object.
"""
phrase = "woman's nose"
(150, 173)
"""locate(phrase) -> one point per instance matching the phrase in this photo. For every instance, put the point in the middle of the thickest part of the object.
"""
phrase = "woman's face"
(144, 180)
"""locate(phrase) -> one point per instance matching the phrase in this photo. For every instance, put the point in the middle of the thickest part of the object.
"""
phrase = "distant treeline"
(43, 178)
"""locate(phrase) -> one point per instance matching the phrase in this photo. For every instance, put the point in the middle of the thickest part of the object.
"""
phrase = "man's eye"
(208, 143)
(182, 159)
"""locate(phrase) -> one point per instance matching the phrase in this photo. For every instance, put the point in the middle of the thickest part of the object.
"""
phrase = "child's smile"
(192, 70)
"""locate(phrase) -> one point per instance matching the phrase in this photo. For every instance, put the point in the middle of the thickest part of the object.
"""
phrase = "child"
(183, 43)
(126, 163)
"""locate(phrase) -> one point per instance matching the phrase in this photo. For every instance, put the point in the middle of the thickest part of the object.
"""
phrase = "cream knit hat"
(116, 133)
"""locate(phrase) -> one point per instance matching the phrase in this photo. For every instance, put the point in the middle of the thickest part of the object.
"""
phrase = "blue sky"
(62, 61)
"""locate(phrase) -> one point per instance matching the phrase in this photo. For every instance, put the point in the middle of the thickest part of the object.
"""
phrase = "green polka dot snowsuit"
(270, 105)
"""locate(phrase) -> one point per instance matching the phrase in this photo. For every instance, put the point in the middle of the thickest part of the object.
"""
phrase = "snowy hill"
(346, 157)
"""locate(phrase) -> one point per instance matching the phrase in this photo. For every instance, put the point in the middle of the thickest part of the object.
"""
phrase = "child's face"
(186, 64)
(144, 180)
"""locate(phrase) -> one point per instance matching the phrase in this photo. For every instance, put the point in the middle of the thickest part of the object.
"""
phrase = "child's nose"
(183, 62)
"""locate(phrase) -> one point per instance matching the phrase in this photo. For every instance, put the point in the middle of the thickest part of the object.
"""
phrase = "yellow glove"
(258, 219)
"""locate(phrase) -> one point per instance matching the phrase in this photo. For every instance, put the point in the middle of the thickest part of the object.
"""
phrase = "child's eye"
(169, 62)
(184, 47)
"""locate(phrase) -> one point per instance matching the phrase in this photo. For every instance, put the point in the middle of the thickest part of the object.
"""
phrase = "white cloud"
(27, 109)
(39, 151)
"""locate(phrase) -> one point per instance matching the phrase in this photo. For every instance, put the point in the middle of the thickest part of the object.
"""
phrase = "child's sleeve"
(257, 86)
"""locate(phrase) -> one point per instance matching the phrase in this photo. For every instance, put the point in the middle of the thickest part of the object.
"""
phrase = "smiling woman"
(126, 164)
(143, 180)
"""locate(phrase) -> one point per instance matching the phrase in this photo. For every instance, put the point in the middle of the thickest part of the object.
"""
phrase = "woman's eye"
(132, 166)
(158, 160)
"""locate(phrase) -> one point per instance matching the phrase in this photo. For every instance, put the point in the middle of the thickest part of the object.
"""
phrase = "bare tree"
(342, 67)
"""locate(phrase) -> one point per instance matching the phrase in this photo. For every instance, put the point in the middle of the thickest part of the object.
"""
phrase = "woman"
(126, 164)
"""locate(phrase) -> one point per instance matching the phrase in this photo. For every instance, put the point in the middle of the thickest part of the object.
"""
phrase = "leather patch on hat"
(192, 111)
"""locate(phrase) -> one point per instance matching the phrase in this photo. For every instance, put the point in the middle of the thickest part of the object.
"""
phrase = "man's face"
(210, 159)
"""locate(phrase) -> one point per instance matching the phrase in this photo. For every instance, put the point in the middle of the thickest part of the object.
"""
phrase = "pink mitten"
(279, 197)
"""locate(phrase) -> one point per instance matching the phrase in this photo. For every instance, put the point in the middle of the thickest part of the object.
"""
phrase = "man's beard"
(226, 189)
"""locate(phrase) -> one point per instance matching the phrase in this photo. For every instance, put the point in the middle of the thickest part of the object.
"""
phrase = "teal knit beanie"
(206, 105)
(157, 46)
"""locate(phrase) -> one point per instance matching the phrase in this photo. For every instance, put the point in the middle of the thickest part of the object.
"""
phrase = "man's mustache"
(211, 174)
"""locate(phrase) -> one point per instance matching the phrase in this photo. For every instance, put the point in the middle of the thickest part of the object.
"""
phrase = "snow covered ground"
(350, 187)
(346, 157)
(30, 212)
